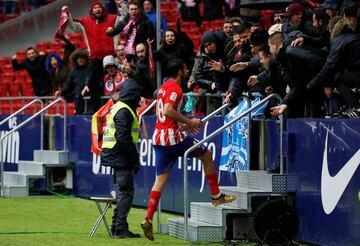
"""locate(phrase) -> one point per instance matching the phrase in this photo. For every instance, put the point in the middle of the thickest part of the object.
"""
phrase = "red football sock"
(153, 203)
(212, 179)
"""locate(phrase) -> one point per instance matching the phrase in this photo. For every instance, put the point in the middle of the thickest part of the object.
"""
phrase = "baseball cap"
(275, 29)
(293, 9)
(108, 61)
(331, 4)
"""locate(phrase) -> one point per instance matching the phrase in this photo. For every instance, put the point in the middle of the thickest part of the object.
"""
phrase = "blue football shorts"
(166, 156)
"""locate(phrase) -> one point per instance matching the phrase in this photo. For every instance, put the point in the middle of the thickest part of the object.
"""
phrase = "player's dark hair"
(175, 66)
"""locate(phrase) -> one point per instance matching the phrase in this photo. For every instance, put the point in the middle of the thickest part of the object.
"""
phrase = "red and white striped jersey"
(167, 131)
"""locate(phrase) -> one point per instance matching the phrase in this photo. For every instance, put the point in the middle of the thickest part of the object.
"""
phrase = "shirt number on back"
(160, 111)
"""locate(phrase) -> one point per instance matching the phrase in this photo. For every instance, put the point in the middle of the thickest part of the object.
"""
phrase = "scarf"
(151, 59)
(130, 30)
(64, 17)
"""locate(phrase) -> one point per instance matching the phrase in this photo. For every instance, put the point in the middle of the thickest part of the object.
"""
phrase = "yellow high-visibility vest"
(109, 139)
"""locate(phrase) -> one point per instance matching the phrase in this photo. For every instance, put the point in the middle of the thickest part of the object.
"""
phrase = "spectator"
(190, 11)
(240, 55)
(122, 8)
(120, 56)
(322, 40)
(331, 7)
(110, 6)
(295, 61)
(136, 26)
(297, 19)
(76, 80)
(228, 28)
(210, 74)
(342, 65)
(214, 9)
(58, 68)
(150, 11)
(276, 16)
(9, 6)
(113, 80)
(98, 44)
(35, 65)
(143, 74)
(236, 22)
(171, 48)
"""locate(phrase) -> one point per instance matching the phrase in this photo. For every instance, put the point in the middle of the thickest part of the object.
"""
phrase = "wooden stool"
(108, 201)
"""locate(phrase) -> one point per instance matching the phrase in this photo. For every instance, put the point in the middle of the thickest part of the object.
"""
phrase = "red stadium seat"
(7, 76)
(5, 60)
(27, 90)
(7, 68)
(14, 90)
(43, 46)
(3, 89)
(21, 55)
(70, 108)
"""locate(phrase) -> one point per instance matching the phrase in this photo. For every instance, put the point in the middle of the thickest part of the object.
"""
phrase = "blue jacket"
(152, 16)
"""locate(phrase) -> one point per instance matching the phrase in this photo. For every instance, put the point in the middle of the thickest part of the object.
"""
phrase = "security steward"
(119, 151)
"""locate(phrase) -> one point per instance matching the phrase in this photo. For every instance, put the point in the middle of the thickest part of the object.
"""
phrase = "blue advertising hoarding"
(20, 144)
(325, 155)
(91, 179)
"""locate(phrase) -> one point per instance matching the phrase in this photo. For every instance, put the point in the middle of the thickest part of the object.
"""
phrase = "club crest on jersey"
(173, 96)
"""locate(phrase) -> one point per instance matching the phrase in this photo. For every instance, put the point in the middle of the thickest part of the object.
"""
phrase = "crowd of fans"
(310, 56)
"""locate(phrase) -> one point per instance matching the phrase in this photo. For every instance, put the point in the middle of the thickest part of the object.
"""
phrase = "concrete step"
(31, 167)
(243, 196)
(18, 178)
(16, 191)
(197, 230)
(255, 180)
(208, 213)
(51, 156)
(267, 182)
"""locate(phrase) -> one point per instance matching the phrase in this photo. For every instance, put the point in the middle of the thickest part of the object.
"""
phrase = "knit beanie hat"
(208, 37)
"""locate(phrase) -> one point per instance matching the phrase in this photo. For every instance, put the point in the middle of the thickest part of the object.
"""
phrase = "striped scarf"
(130, 30)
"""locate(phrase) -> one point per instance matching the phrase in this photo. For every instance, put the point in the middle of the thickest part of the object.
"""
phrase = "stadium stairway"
(21, 183)
(235, 221)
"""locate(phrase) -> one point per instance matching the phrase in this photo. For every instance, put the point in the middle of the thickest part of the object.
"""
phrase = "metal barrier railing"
(215, 133)
(37, 100)
(22, 99)
(205, 119)
(21, 125)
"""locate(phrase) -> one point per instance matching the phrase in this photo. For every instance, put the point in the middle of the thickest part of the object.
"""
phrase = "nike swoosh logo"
(332, 188)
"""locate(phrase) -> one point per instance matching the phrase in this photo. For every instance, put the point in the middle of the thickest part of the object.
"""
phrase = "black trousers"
(96, 77)
(125, 180)
(344, 83)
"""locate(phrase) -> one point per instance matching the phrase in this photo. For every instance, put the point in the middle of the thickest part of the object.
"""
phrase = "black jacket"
(40, 77)
(144, 29)
(124, 154)
(344, 56)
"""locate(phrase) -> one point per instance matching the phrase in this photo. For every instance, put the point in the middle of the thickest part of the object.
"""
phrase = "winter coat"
(40, 77)
(144, 29)
(98, 43)
(344, 56)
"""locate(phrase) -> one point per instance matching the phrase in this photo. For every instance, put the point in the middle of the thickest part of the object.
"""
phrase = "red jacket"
(98, 42)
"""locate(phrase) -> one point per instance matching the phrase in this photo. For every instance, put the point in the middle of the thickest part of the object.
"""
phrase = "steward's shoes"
(148, 229)
(223, 198)
(125, 234)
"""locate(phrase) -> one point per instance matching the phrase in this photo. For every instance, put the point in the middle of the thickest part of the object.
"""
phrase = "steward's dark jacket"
(124, 154)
